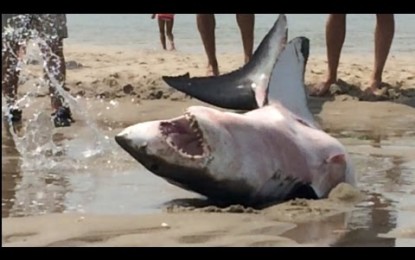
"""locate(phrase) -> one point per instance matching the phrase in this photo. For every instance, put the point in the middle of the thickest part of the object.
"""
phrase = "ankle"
(330, 80)
(376, 78)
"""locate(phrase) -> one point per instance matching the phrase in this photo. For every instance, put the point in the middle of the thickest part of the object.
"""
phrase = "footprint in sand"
(200, 238)
(17, 237)
(101, 237)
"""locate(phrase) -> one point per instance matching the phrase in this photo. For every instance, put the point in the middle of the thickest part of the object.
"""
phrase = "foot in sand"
(212, 70)
(172, 47)
(370, 95)
(374, 92)
(322, 88)
(375, 85)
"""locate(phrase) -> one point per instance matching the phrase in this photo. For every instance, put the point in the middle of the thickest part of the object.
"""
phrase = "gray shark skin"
(236, 90)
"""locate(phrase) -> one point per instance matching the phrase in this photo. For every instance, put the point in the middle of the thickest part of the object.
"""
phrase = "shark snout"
(123, 141)
(134, 139)
(130, 146)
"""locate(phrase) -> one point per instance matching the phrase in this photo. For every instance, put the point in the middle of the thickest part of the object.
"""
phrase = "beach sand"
(133, 80)
(185, 227)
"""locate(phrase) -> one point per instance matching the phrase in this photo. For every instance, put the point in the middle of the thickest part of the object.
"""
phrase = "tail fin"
(237, 89)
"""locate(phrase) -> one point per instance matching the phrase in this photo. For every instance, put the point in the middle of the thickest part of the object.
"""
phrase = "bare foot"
(212, 70)
(370, 95)
(322, 89)
(375, 85)
(370, 92)
(172, 47)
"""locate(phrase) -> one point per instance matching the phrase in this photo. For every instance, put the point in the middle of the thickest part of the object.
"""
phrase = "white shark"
(270, 154)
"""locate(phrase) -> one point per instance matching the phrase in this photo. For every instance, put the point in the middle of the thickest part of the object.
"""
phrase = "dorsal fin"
(286, 84)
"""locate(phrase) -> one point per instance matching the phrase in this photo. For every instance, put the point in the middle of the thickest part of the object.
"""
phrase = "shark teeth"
(167, 128)
(194, 126)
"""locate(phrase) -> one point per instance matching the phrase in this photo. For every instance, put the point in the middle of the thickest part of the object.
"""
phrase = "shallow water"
(110, 182)
(389, 186)
(86, 178)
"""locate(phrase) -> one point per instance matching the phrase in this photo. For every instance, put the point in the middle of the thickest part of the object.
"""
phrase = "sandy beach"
(370, 129)
(180, 227)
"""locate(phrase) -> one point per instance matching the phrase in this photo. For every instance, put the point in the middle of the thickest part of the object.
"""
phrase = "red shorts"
(167, 17)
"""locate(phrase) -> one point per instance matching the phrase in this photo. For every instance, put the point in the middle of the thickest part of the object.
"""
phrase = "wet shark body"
(266, 155)
(270, 154)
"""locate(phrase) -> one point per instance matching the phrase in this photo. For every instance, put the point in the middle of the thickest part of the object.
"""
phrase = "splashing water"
(101, 142)
(37, 147)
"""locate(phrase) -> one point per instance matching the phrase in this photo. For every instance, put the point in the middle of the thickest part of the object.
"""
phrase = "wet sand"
(76, 197)
(181, 228)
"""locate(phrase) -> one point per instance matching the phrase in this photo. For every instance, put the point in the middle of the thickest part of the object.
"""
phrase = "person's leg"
(161, 23)
(13, 42)
(52, 52)
(335, 35)
(9, 72)
(206, 26)
(22, 51)
(53, 56)
(246, 23)
(169, 30)
(384, 32)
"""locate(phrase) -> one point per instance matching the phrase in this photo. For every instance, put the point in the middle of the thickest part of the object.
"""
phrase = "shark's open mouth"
(184, 135)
